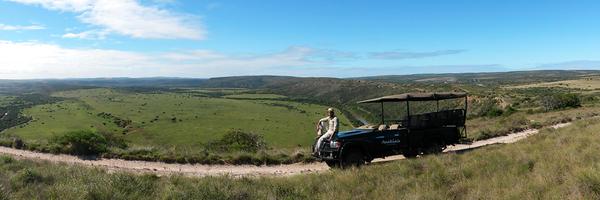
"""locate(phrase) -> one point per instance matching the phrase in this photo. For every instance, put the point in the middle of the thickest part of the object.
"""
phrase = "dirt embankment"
(232, 170)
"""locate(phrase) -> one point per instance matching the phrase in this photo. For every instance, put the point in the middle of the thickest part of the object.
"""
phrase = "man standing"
(332, 128)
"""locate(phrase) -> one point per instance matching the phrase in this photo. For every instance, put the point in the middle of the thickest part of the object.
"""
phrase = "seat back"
(437, 119)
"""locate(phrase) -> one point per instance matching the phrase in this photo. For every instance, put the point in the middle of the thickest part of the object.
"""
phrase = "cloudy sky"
(210, 38)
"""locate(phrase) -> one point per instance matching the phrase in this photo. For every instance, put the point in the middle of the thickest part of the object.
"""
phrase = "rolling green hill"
(173, 119)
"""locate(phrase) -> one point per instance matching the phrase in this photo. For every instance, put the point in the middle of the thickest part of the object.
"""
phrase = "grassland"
(587, 83)
(58, 118)
(173, 119)
(254, 96)
(554, 164)
(485, 127)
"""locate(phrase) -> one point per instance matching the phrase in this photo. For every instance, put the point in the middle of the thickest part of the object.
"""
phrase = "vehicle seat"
(382, 127)
(394, 126)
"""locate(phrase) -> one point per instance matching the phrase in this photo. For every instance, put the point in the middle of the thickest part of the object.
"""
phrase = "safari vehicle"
(403, 132)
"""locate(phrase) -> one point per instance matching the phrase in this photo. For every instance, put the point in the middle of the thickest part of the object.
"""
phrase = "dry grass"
(583, 83)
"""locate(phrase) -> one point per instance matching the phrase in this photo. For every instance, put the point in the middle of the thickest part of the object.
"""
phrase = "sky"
(332, 38)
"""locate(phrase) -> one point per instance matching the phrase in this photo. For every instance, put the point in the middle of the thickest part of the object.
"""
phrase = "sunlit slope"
(174, 119)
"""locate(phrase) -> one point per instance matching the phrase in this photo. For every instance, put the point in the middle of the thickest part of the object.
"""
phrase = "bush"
(26, 177)
(509, 111)
(6, 160)
(4, 193)
(5, 142)
(237, 140)
(589, 180)
(560, 101)
(494, 112)
(82, 143)
(486, 107)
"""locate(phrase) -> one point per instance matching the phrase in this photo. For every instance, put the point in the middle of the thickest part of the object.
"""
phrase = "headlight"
(335, 144)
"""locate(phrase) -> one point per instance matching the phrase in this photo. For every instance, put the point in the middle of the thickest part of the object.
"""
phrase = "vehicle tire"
(334, 164)
(353, 158)
(410, 153)
(436, 149)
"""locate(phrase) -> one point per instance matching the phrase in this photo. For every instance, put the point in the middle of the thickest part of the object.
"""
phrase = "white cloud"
(62, 5)
(399, 55)
(91, 34)
(128, 17)
(20, 60)
(4, 27)
(40, 60)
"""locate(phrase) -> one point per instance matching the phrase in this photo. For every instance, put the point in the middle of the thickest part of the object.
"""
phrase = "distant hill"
(487, 77)
(338, 92)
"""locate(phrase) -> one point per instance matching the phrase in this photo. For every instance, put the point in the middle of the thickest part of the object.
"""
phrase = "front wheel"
(333, 163)
(354, 158)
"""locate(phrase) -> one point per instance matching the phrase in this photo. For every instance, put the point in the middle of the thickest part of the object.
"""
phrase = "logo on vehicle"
(392, 141)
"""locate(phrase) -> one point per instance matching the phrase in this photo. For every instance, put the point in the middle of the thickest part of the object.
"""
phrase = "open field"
(173, 119)
(57, 118)
(554, 164)
(582, 83)
(254, 96)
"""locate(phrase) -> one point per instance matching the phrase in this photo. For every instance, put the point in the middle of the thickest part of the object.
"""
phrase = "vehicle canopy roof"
(420, 96)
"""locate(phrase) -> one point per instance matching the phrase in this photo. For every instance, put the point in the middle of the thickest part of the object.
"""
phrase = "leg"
(320, 142)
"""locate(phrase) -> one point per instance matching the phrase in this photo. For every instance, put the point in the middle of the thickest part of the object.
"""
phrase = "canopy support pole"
(408, 112)
(382, 117)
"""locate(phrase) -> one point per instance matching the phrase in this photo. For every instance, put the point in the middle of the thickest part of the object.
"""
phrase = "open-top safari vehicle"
(405, 131)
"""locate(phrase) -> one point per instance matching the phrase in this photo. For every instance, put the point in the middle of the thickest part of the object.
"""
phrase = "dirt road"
(232, 170)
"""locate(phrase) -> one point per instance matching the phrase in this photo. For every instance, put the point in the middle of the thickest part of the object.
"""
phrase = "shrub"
(6, 160)
(26, 177)
(560, 101)
(4, 193)
(485, 134)
(494, 111)
(82, 143)
(237, 140)
(536, 125)
(509, 111)
(589, 181)
(486, 107)
(5, 142)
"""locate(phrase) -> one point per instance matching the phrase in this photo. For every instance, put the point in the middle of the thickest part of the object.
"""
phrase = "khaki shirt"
(333, 124)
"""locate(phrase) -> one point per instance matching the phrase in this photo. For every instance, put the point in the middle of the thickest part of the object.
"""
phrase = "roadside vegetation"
(554, 164)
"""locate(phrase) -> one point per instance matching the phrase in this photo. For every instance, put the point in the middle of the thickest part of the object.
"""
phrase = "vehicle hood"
(343, 134)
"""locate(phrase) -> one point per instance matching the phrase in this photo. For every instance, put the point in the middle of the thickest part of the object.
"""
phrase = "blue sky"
(110, 38)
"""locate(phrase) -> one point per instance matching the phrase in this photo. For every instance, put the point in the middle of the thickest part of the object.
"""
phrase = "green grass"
(554, 164)
(6, 100)
(59, 118)
(229, 91)
(183, 120)
(255, 96)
